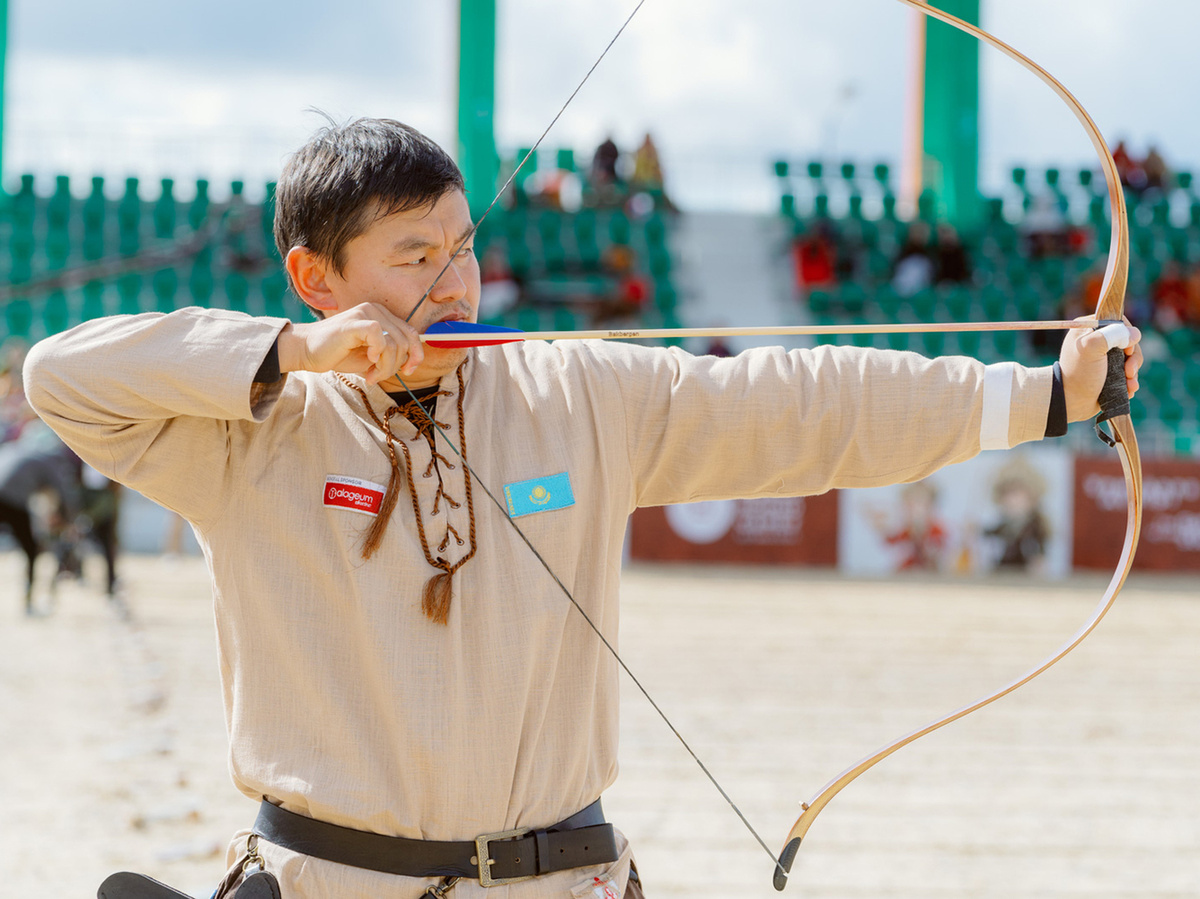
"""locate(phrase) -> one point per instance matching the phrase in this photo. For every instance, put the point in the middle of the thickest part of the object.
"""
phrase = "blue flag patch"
(539, 495)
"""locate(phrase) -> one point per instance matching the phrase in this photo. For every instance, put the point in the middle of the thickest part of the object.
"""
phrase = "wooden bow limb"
(1110, 307)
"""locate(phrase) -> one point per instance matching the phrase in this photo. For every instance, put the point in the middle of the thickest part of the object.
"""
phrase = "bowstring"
(441, 432)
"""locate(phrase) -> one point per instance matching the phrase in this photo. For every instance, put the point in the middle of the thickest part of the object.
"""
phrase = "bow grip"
(1114, 397)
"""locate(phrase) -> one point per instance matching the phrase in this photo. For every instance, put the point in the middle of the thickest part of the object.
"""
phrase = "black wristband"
(1056, 418)
(268, 372)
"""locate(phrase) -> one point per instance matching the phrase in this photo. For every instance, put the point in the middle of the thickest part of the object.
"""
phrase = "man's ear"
(308, 273)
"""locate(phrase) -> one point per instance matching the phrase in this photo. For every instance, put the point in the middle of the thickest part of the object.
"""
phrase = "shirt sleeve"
(147, 400)
(771, 422)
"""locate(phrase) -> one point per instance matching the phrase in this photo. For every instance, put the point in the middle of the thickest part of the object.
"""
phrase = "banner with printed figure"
(1001, 511)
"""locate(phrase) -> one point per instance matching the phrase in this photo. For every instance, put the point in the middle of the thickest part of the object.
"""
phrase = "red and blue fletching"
(481, 335)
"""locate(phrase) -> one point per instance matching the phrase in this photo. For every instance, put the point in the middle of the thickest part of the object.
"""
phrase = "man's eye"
(465, 251)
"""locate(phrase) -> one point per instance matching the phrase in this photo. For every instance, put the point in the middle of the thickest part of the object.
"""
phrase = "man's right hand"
(367, 340)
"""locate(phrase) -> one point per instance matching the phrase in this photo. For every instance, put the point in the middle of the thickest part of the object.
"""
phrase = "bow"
(1115, 409)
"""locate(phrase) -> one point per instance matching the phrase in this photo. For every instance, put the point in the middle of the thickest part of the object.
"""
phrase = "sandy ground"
(1084, 784)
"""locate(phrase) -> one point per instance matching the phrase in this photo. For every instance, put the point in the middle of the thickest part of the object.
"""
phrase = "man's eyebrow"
(409, 244)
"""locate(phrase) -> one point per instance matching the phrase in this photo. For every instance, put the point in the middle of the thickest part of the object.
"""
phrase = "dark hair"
(348, 175)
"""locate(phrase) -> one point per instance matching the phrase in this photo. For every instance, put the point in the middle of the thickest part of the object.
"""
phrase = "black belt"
(493, 858)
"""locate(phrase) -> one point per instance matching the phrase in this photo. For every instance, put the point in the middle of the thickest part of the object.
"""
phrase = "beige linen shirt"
(342, 700)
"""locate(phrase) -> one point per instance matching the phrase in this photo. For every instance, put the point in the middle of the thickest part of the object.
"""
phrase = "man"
(35, 462)
(395, 660)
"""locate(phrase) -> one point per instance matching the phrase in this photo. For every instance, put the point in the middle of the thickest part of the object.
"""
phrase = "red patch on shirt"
(353, 494)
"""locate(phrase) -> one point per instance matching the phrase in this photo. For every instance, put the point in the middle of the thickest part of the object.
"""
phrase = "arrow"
(449, 334)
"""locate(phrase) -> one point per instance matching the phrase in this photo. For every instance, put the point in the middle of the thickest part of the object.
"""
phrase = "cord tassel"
(435, 597)
(375, 532)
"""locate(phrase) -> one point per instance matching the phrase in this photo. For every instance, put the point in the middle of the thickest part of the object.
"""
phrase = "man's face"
(395, 261)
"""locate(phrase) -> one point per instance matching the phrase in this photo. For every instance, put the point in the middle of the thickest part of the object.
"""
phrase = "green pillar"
(477, 101)
(950, 133)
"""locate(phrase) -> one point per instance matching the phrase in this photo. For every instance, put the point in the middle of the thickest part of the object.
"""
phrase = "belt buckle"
(483, 861)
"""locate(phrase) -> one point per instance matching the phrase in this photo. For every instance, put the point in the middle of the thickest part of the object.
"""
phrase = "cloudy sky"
(222, 89)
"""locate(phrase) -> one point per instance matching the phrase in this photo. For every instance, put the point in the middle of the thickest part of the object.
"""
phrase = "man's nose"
(449, 286)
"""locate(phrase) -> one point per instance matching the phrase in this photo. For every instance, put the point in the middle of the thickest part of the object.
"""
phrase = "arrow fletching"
(463, 334)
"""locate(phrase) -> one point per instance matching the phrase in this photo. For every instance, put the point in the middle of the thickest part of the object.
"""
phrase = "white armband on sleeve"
(997, 405)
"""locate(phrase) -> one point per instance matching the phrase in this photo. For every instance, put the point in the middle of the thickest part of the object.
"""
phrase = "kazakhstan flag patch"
(539, 495)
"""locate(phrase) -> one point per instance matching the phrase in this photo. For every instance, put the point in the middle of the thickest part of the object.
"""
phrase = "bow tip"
(784, 866)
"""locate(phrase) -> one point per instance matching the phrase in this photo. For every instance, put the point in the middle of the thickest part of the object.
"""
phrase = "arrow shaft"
(765, 331)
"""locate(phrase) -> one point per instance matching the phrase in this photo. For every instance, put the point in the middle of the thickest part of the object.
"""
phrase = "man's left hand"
(1084, 363)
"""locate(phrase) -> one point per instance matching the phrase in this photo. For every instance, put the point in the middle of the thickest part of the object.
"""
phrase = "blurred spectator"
(604, 164)
(37, 462)
(499, 289)
(101, 500)
(1046, 230)
(631, 287)
(14, 411)
(1169, 295)
(718, 347)
(914, 269)
(953, 264)
(1128, 169)
(814, 256)
(1154, 170)
(648, 175)
(647, 171)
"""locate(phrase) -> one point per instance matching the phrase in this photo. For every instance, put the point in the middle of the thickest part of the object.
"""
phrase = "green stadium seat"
(1171, 412)
(237, 291)
(58, 206)
(957, 303)
(165, 284)
(565, 319)
(529, 319)
(164, 210)
(58, 248)
(787, 206)
(129, 291)
(565, 160)
(18, 317)
(815, 170)
(882, 174)
(56, 315)
(968, 343)
(1156, 378)
(665, 296)
(924, 305)
(781, 168)
(93, 301)
(853, 299)
(820, 302)
(198, 209)
(1191, 379)
(274, 289)
(129, 219)
(619, 229)
(933, 343)
(1183, 342)
(24, 204)
(201, 282)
